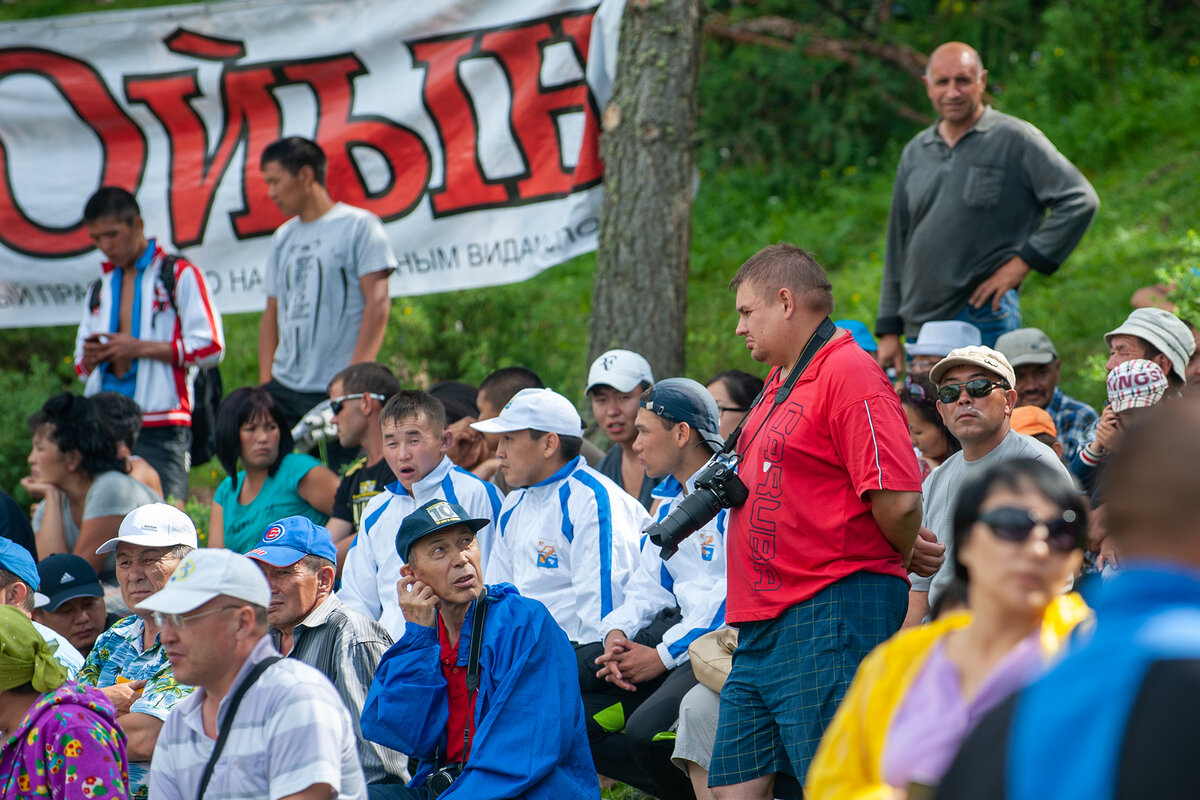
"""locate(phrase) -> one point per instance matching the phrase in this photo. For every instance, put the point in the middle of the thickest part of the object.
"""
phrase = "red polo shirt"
(462, 706)
(807, 522)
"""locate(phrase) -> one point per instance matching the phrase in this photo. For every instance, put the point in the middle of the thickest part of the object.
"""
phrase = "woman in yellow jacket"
(1019, 530)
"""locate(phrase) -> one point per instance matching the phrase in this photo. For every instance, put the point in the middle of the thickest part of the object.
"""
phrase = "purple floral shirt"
(68, 745)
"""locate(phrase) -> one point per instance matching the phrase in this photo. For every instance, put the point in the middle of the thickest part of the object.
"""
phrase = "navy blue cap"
(685, 400)
(290, 539)
(860, 332)
(432, 517)
(16, 559)
(65, 577)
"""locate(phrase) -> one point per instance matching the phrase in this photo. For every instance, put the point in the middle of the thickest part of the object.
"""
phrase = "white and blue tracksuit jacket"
(372, 567)
(571, 542)
(693, 579)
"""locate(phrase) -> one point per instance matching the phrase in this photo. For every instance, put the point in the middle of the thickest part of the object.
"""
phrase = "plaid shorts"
(790, 673)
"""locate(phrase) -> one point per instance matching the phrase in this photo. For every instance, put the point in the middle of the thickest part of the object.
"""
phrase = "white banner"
(469, 126)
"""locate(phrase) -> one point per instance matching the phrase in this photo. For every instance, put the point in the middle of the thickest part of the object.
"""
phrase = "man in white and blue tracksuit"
(415, 440)
(568, 536)
(644, 670)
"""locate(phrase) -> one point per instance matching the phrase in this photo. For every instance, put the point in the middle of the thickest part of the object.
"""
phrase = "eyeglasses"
(980, 387)
(1016, 524)
(338, 402)
(730, 410)
(180, 621)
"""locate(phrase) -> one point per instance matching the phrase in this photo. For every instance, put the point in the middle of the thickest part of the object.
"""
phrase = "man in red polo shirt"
(817, 553)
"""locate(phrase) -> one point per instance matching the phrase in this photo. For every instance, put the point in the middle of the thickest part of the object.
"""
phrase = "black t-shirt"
(14, 524)
(1159, 754)
(360, 483)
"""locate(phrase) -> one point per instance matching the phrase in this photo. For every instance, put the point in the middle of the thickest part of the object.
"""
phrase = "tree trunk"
(640, 297)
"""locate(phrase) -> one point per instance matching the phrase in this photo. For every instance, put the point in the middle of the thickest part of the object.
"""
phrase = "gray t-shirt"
(313, 272)
(112, 494)
(940, 494)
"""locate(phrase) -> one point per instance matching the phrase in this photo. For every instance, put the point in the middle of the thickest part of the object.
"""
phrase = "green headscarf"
(25, 657)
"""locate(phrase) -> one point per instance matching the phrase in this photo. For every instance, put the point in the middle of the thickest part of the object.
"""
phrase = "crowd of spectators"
(850, 577)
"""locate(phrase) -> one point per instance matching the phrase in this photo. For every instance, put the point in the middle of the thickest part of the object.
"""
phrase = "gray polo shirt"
(959, 213)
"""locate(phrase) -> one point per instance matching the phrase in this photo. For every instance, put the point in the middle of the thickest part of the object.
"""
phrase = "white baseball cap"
(536, 410)
(205, 574)
(153, 525)
(623, 370)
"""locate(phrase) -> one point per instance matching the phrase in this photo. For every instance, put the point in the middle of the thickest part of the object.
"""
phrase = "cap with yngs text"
(1136, 383)
(432, 517)
(685, 400)
(205, 574)
(623, 370)
(537, 410)
(290, 539)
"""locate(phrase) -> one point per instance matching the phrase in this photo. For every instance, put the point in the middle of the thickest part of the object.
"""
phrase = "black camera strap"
(473, 665)
(819, 339)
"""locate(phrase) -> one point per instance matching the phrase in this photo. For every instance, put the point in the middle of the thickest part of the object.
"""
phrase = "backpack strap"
(223, 734)
(166, 274)
(473, 663)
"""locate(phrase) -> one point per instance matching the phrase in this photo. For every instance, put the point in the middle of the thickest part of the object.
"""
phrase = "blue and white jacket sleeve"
(603, 556)
(406, 707)
(647, 593)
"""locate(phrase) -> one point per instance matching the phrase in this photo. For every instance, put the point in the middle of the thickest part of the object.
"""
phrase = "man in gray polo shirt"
(968, 218)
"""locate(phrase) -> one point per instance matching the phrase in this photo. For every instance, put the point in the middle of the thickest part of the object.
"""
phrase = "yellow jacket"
(849, 761)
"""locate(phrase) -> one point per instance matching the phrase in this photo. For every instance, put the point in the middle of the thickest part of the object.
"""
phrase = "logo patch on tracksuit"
(547, 557)
(706, 547)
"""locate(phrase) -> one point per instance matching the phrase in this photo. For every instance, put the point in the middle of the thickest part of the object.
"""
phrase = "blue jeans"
(992, 324)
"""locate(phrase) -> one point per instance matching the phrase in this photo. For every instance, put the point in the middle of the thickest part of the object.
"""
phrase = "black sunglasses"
(1016, 524)
(338, 402)
(980, 387)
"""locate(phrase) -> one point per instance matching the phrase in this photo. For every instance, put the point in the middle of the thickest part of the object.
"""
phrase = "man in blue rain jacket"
(520, 733)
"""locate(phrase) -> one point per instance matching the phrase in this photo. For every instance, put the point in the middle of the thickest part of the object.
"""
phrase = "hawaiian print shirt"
(117, 657)
(68, 745)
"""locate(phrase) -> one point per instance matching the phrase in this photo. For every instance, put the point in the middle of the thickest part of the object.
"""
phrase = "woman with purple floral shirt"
(62, 739)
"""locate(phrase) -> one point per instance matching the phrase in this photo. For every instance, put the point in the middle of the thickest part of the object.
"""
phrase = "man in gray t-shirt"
(326, 281)
(981, 381)
(969, 219)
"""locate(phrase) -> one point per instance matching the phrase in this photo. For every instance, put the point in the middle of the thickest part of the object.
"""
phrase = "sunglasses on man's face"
(980, 387)
(337, 403)
(1016, 525)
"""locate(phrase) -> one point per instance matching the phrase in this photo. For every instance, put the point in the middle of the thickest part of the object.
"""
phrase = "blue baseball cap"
(860, 332)
(290, 539)
(685, 400)
(432, 517)
(16, 559)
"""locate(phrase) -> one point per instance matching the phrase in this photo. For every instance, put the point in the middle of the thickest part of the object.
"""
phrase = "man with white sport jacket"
(568, 536)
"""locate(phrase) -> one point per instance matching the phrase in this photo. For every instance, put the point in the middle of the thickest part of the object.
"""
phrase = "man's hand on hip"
(1008, 276)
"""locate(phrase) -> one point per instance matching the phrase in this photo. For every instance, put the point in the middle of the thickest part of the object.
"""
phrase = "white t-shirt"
(313, 272)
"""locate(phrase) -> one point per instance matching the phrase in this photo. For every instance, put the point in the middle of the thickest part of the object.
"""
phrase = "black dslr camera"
(441, 780)
(717, 487)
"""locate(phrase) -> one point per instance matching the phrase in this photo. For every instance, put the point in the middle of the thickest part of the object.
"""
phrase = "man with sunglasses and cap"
(287, 735)
(976, 398)
(309, 623)
(677, 423)
(482, 686)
